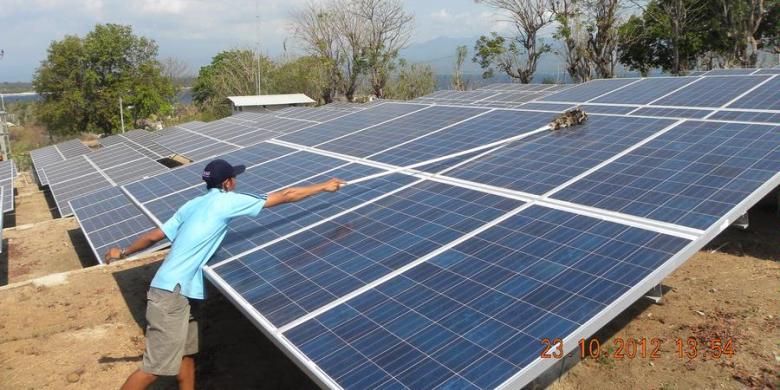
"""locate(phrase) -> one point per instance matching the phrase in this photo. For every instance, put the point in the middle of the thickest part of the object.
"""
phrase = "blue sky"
(195, 30)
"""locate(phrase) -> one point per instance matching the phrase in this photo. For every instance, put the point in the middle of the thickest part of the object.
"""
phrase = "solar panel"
(72, 148)
(473, 316)
(769, 71)
(350, 123)
(645, 91)
(381, 137)
(544, 161)
(765, 97)
(135, 170)
(146, 144)
(711, 91)
(313, 114)
(746, 116)
(516, 87)
(491, 127)
(64, 192)
(109, 219)
(7, 175)
(193, 145)
(185, 177)
(589, 90)
(606, 109)
(68, 170)
(513, 97)
(295, 276)
(112, 156)
(721, 72)
(552, 107)
(672, 112)
(691, 176)
(43, 157)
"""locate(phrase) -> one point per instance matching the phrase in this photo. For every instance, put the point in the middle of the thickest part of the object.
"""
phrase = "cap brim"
(238, 169)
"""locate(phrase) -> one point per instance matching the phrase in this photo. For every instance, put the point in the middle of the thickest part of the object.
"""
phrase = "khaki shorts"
(171, 331)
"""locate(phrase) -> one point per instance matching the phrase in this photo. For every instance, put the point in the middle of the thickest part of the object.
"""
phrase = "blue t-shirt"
(196, 231)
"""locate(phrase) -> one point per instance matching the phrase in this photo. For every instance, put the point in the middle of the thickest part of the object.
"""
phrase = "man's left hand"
(113, 254)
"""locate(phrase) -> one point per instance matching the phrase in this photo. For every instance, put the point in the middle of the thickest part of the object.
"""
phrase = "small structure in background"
(265, 103)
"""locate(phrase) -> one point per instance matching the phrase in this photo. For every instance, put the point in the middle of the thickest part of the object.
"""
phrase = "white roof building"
(268, 102)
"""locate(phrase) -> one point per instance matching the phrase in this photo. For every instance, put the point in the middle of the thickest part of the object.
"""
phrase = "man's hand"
(113, 254)
(333, 185)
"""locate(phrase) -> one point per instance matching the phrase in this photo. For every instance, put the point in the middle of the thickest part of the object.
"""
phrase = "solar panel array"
(450, 273)
(142, 141)
(52, 155)
(7, 178)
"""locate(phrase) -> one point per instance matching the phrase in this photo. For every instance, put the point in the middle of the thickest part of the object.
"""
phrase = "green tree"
(231, 73)
(410, 81)
(82, 79)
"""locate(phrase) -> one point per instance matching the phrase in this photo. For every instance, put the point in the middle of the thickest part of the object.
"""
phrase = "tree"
(458, 83)
(389, 29)
(411, 81)
(603, 35)
(82, 79)
(230, 73)
(317, 28)
(517, 57)
(571, 30)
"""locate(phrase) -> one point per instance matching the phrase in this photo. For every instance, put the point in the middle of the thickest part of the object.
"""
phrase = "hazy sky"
(195, 30)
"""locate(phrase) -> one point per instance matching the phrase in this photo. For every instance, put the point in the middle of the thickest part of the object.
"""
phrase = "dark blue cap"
(217, 171)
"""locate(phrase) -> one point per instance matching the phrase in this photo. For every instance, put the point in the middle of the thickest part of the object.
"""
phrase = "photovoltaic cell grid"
(378, 138)
(588, 91)
(711, 91)
(42, 158)
(248, 233)
(513, 97)
(114, 155)
(672, 112)
(645, 90)
(731, 72)
(542, 162)
(765, 97)
(7, 175)
(491, 127)
(68, 170)
(64, 192)
(298, 275)
(109, 219)
(692, 175)
(150, 148)
(604, 109)
(190, 143)
(747, 116)
(72, 148)
(258, 180)
(189, 176)
(350, 123)
(517, 87)
(473, 316)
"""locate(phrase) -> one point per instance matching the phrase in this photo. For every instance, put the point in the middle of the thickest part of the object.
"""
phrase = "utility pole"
(122, 114)
(257, 36)
(5, 139)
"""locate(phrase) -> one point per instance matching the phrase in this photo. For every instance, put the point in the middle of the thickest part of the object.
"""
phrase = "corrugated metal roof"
(270, 100)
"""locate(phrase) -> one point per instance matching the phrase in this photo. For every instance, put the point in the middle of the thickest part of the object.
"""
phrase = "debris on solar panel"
(575, 116)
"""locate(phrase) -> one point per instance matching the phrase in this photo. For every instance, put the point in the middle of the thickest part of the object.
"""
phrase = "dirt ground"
(84, 329)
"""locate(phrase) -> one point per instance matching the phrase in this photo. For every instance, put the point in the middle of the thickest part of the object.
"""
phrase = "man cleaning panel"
(195, 231)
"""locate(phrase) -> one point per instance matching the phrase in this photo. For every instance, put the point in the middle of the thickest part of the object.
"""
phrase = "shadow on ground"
(4, 263)
(81, 245)
(234, 354)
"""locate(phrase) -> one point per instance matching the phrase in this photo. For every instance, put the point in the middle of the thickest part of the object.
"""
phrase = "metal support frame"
(656, 294)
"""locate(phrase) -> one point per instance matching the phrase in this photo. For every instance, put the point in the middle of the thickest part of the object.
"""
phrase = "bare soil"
(84, 329)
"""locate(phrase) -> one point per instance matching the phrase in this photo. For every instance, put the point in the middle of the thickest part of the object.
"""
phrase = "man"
(195, 231)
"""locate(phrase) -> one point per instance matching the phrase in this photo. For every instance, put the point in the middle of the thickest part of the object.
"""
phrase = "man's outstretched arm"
(294, 194)
(145, 241)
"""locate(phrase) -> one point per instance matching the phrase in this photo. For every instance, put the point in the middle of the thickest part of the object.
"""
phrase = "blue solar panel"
(350, 123)
(769, 71)
(247, 233)
(645, 91)
(109, 219)
(259, 179)
(546, 106)
(513, 97)
(711, 91)
(491, 127)
(474, 316)
(599, 109)
(378, 138)
(691, 176)
(190, 175)
(64, 192)
(765, 97)
(737, 71)
(746, 116)
(584, 92)
(672, 112)
(542, 162)
(298, 275)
